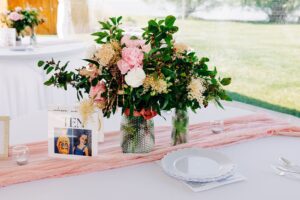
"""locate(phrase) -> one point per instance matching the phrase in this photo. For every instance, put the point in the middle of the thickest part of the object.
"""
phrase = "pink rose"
(96, 91)
(6, 12)
(136, 43)
(139, 43)
(18, 9)
(132, 42)
(123, 66)
(133, 56)
(100, 100)
(148, 113)
(125, 39)
(93, 71)
(135, 113)
(146, 48)
(14, 16)
(145, 113)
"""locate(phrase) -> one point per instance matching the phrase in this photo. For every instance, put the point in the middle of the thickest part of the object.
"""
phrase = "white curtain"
(65, 26)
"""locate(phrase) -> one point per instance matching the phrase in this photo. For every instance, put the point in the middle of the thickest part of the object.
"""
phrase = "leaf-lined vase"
(137, 134)
(18, 39)
(33, 40)
(180, 129)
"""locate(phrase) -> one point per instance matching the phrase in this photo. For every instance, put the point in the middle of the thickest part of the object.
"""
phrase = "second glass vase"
(180, 129)
(18, 40)
(137, 135)
(33, 41)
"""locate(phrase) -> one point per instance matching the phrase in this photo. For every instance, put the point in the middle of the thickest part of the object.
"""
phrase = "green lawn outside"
(262, 59)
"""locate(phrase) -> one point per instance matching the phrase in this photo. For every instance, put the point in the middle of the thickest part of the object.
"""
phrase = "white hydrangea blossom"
(135, 77)
(196, 89)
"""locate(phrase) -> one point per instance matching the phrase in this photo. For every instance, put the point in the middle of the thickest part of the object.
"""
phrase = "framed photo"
(73, 141)
(4, 131)
(69, 137)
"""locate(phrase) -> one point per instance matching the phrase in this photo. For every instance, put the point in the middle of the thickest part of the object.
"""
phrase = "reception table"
(21, 82)
(147, 181)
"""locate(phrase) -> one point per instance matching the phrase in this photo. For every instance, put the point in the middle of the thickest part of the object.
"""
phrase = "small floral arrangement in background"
(142, 75)
(21, 19)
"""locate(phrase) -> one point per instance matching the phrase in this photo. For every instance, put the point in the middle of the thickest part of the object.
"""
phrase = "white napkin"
(199, 187)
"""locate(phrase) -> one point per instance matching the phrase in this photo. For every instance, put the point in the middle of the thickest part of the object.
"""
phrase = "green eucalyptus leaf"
(46, 66)
(225, 81)
(152, 23)
(106, 26)
(92, 62)
(113, 20)
(170, 20)
(204, 59)
(119, 19)
(63, 68)
(49, 70)
(50, 81)
(41, 63)
(174, 29)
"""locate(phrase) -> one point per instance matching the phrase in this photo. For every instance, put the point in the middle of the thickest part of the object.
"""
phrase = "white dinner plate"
(198, 165)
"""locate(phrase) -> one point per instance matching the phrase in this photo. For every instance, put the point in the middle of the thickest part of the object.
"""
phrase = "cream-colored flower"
(100, 104)
(116, 45)
(91, 71)
(121, 92)
(157, 85)
(105, 54)
(196, 89)
(86, 110)
(181, 48)
(135, 77)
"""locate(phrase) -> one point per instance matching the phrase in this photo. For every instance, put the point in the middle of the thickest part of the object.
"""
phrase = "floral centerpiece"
(21, 19)
(142, 76)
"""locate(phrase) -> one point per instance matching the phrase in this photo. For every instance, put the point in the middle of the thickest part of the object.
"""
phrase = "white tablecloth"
(148, 182)
(21, 82)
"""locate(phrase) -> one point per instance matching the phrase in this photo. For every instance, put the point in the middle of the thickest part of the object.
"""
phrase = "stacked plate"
(198, 165)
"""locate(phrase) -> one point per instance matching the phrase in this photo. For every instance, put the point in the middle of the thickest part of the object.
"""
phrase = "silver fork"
(280, 172)
(290, 166)
(285, 161)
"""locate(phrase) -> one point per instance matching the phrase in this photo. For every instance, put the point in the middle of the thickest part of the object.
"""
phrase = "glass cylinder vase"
(18, 39)
(180, 129)
(137, 135)
(33, 40)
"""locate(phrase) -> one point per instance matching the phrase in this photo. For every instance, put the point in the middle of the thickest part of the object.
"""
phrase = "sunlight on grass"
(262, 59)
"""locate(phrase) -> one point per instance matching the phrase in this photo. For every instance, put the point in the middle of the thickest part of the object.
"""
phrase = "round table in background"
(21, 81)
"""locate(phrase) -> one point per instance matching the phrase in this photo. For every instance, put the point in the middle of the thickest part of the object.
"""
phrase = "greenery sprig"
(109, 30)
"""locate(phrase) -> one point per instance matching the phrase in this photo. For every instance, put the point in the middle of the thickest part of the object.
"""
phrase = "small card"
(68, 137)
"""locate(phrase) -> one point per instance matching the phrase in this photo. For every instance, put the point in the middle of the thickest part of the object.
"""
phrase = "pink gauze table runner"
(238, 129)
